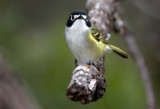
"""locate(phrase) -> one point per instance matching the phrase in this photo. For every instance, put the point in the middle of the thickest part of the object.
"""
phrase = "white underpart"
(108, 49)
(77, 39)
(108, 36)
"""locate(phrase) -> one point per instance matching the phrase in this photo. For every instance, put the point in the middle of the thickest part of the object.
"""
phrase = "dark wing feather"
(97, 34)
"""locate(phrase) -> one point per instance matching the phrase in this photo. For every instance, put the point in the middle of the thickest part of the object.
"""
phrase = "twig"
(129, 38)
(12, 94)
(143, 68)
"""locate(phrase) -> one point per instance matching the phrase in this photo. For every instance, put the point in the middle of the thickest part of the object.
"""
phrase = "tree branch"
(143, 69)
(86, 85)
(12, 96)
(12, 93)
(121, 28)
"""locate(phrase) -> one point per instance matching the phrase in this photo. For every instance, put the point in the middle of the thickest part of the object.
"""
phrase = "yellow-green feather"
(96, 37)
(99, 45)
(119, 51)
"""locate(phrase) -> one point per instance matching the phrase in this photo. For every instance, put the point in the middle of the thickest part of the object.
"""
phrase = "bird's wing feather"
(97, 34)
(119, 51)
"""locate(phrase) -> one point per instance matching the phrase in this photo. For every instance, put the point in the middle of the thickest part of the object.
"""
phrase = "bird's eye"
(72, 17)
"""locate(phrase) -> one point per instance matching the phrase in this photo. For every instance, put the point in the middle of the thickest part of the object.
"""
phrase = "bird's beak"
(80, 17)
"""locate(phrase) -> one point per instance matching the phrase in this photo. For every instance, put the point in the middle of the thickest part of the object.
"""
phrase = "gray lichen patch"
(86, 85)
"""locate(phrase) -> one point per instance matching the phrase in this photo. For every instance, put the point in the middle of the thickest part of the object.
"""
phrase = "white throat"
(78, 26)
(77, 32)
(76, 38)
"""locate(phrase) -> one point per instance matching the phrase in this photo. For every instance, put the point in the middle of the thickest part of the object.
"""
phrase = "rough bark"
(121, 28)
(143, 69)
(86, 85)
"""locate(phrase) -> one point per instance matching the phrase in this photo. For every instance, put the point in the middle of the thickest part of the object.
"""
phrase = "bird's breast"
(82, 47)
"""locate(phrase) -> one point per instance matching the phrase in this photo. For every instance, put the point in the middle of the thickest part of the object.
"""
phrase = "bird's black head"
(79, 14)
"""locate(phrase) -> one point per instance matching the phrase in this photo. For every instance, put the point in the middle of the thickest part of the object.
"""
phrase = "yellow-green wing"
(97, 34)
(119, 51)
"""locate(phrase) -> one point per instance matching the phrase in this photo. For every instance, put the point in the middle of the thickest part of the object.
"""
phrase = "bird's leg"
(87, 66)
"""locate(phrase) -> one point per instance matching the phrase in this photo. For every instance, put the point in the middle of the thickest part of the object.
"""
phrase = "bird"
(85, 41)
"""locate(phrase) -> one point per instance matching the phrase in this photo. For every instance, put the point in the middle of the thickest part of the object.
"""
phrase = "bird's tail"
(117, 51)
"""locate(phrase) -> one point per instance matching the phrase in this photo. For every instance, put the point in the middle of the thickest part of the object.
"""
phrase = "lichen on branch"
(86, 84)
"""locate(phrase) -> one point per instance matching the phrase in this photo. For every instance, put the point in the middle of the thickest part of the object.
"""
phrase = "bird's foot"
(87, 66)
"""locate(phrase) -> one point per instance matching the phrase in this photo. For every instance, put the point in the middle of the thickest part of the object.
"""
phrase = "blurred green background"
(32, 42)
